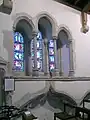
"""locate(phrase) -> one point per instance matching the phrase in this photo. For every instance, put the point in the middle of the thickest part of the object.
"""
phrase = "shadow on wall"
(8, 44)
(55, 100)
(86, 97)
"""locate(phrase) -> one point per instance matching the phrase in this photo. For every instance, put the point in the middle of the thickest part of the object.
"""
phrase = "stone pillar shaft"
(60, 62)
(29, 59)
(35, 70)
(55, 54)
(46, 55)
(71, 66)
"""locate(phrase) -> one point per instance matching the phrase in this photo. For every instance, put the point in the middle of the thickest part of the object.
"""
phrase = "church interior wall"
(63, 17)
(25, 88)
(60, 14)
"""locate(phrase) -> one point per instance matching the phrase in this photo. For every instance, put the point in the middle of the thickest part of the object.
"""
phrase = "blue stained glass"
(18, 52)
(51, 58)
(18, 65)
(39, 51)
(38, 44)
(18, 38)
(18, 56)
(51, 43)
(18, 47)
(51, 55)
(32, 53)
(39, 36)
(52, 67)
(51, 51)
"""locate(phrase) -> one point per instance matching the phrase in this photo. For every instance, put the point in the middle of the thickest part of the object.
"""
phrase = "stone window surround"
(55, 31)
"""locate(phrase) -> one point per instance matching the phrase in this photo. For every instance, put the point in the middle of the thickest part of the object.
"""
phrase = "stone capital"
(54, 37)
(34, 34)
(70, 40)
(45, 41)
(14, 28)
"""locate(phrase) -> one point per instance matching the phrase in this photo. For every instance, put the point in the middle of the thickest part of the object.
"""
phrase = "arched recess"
(66, 29)
(23, 26)
(49, 18)
(45, 27)
(22, 16)
(65, 51)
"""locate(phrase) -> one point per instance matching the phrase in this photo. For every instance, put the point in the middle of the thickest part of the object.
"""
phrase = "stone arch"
(50, 18)
(23, 16)
(67, 30)
(86, 96)
(23, 23)
(69, 45)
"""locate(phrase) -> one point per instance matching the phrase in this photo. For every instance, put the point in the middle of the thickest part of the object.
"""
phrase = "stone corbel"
(85, 27)
(6, 6)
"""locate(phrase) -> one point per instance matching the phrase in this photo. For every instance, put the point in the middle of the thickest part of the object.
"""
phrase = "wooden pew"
(65, 116)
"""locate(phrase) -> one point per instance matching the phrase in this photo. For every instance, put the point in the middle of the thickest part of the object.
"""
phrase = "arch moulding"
(67, 30)
(51, 19)
(23, 16)
(70, 43)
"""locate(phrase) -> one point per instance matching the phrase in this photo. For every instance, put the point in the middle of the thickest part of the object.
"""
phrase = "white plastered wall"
(63, 16)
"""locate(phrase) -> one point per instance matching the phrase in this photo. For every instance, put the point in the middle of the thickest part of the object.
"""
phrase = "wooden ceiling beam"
(76, 2)
(87, 7)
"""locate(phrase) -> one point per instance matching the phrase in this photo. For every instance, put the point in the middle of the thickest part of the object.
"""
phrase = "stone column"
(71, 66)
(2, 93)
(55, 54)
(45, 57)
(29, 59)
(35, 70)
(60, 61)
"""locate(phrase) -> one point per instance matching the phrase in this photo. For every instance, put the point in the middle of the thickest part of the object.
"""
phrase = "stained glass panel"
(51, 59)
(52, 67)
(39, 51)
(51, 43)
(51, 55)
(18, 52)
(18, 47)
(51, 51)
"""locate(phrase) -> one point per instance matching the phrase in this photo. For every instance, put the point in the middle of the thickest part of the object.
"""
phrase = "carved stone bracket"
(85, 27)
(6, 6)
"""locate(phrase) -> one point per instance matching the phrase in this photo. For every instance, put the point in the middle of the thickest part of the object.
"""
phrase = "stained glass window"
(18, 52)
(39, 52)
(51, 56)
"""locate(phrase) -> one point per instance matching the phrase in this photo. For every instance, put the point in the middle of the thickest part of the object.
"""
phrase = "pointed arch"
(68, 48)
(66, 29)
(22, 28)
(23, 16)
(51, 19)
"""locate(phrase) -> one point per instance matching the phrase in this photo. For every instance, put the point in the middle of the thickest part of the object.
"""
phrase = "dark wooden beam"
(87, 8)
(67, 4)
(76, 2)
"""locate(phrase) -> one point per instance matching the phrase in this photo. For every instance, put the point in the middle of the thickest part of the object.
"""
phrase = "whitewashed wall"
(63, 15)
